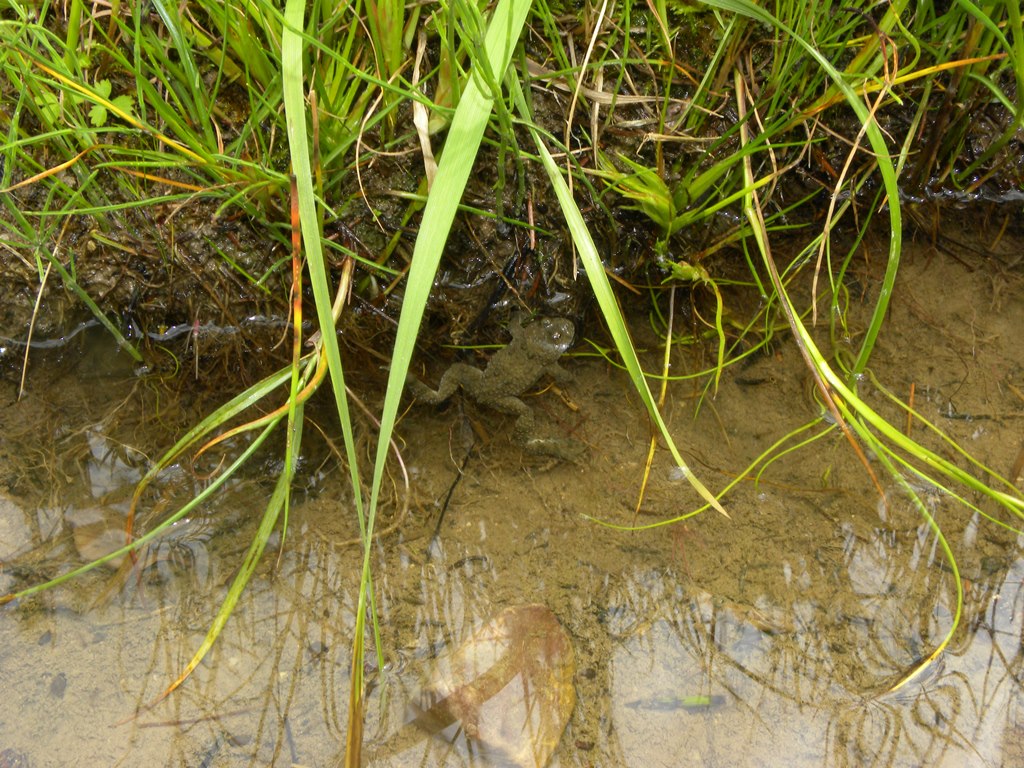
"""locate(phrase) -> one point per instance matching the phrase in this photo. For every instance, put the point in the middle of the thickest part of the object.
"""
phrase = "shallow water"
(774, 637)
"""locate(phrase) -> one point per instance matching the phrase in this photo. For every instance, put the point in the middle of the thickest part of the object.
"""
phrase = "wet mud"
(711, 641)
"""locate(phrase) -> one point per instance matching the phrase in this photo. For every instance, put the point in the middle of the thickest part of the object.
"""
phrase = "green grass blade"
(98, 313)
(882, 159)
(278, 501)
(602, 288)
(464, 137)
(295, 108)
(144, 539)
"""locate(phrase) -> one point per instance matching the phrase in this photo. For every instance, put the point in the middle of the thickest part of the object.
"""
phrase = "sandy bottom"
(792, 621)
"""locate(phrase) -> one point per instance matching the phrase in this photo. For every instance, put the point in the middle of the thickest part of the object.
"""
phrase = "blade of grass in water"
(278, 502)
(843, 399)
(602, 288)
(882, 159)
(464, 137)
(295, 111)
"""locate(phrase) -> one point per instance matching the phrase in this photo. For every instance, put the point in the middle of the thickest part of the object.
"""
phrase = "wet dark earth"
(780, 633)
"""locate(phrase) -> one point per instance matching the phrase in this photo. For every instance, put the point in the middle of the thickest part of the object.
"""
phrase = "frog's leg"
(524, 429)
(558, 373)
(459, 375)
(526, 437)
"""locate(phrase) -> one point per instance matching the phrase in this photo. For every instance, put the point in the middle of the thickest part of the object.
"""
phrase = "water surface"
(776, 635)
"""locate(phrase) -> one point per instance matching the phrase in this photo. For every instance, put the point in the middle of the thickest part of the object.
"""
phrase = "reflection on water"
(818, 694)
(503, 697)
(773, 638)
(789, 647)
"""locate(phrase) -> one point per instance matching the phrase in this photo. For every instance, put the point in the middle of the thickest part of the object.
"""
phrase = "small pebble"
(991, 565)
(58, 685)
(10, 758)
(317, 648)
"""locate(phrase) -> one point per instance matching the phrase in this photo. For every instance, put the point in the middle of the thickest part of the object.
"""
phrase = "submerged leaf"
(504, 696)
(691, 704)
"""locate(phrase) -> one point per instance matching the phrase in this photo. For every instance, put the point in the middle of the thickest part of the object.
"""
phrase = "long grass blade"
(464, 137)
(602, 289)
(882, 159)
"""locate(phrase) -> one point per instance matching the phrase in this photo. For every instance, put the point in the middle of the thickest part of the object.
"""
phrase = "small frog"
(533, 351)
